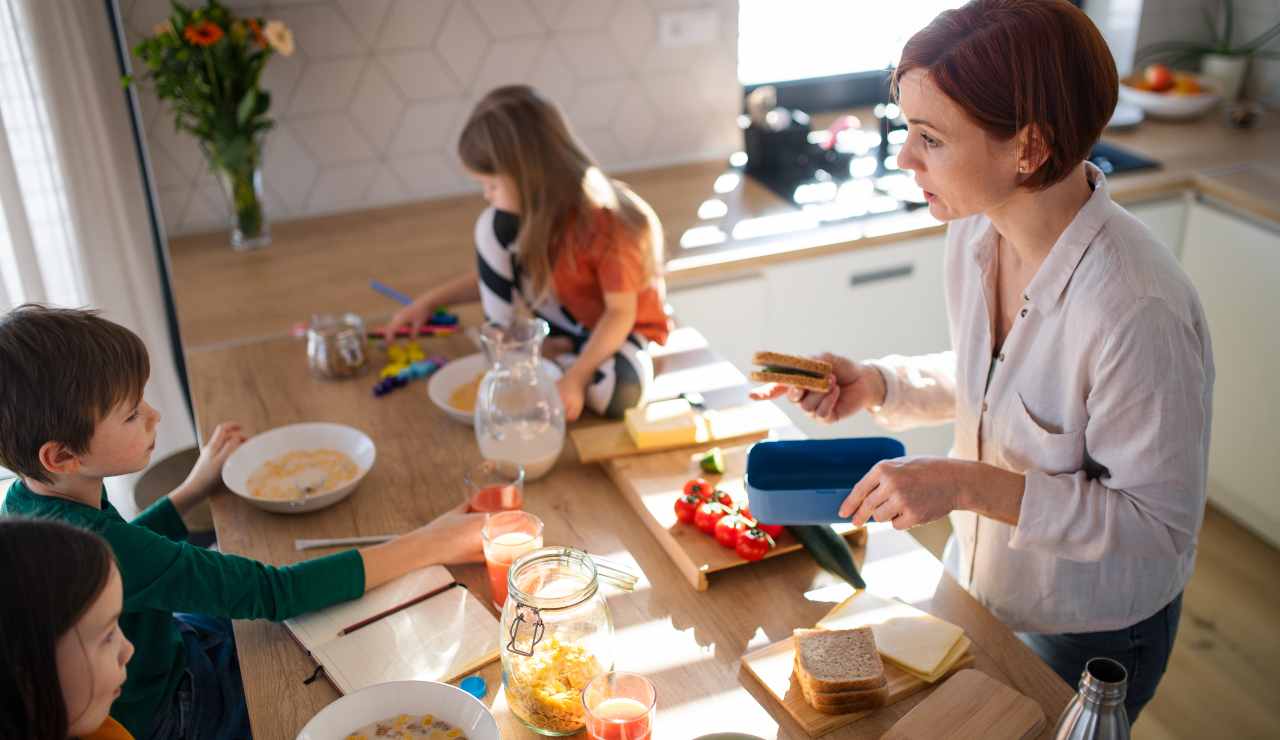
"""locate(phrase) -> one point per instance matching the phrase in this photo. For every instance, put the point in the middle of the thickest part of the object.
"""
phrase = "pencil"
(415, 600)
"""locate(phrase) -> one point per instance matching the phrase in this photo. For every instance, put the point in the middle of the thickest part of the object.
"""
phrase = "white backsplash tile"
(369, 108)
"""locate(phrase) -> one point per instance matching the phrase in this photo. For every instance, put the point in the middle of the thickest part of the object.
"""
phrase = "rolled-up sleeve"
(1142, 492)
(919, 390)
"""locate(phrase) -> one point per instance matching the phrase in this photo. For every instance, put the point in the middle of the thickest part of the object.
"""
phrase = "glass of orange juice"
(507, 535)
(620, 706)
(495, 487)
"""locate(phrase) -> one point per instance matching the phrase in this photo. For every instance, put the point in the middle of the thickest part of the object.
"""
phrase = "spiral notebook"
(439, 639)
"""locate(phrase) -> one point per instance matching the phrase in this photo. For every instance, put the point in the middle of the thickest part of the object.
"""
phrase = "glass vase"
(242, 184)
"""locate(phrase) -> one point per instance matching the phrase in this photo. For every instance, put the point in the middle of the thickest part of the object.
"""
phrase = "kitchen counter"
(324, 264)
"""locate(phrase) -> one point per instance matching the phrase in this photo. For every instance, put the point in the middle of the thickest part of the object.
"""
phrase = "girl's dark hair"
(50, 574)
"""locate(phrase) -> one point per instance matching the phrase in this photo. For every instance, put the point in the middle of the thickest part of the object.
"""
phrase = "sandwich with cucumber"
(792, 370)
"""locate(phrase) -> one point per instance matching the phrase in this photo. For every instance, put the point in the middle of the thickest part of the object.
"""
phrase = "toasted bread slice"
(830, 661)
(843, 702)
(800, 372)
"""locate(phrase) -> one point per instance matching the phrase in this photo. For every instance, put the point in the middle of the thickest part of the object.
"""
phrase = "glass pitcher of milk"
(519, 417)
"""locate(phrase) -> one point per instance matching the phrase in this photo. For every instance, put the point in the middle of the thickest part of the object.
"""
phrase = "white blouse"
(1101, 396)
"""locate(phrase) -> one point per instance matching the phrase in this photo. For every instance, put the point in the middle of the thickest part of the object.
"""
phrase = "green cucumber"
(712, 462)
(829, 550)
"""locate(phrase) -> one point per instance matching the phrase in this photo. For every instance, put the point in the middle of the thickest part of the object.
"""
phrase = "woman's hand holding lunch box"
(905, 491)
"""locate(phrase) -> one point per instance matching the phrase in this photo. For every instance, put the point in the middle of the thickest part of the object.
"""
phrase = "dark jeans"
(209, 703)
(1142, 649)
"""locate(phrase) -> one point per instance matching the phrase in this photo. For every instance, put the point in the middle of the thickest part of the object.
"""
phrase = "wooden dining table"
(689, 643)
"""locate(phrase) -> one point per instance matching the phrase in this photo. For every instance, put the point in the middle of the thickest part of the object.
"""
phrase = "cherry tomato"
(724, 498)
(773, 530)
(686, 507)
(699, 487)
(728, 529)
(753, 544)
(707, 515)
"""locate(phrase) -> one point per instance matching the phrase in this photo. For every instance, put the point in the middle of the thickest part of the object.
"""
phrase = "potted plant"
(207, 65)
(1221, 59)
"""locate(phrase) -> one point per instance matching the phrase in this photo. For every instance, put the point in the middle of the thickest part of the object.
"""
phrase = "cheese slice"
(671, 423)
(957, 653)
(919, 642)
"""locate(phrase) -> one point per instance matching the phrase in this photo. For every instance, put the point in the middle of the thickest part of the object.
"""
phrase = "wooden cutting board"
(773, 668)
(652, 483)
(970, 706)
(747, 422)
(685, 364)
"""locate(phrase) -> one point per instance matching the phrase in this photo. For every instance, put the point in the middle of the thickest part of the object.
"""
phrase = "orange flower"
(256, 28)
(205, 33)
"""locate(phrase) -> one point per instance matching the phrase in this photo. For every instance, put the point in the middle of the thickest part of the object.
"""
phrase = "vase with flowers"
(207, 63)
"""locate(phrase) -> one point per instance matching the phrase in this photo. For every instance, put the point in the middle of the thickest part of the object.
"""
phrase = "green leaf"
(829, 550)
(1262, 39)
(1229, 24)
(246, 107)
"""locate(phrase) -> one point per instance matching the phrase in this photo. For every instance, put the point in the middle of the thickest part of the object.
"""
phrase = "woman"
(1081, 374)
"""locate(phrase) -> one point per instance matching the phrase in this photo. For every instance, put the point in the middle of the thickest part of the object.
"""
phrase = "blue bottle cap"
(475, 686)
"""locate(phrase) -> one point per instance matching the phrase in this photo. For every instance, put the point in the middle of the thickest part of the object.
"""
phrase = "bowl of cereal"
(454, 387)
(299, 467)
(422, 710)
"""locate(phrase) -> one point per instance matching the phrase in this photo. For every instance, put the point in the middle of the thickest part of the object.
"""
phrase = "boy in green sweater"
(72, 414)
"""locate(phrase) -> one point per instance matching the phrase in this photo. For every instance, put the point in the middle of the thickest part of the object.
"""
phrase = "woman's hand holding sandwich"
(853, 387)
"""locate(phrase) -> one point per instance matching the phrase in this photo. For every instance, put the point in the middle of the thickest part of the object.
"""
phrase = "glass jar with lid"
(557, 635)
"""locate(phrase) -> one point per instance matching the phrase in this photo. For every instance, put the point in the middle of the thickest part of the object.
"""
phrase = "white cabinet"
(1166, 218)
(863, 304)
(1235, 265)
(731, 313)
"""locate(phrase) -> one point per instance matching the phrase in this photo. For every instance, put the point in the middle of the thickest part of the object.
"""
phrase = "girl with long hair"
(563, 242)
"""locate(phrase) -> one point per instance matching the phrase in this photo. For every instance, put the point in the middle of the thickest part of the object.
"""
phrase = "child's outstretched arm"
(606, 338)
(207, 472)
(463, 288)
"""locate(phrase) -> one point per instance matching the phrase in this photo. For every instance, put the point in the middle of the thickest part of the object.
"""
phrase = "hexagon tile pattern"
(369, 108)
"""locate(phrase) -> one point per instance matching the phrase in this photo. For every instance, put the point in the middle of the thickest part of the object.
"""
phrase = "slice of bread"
(821, 385)
(848, 701)
(793, 362)
(831, 661)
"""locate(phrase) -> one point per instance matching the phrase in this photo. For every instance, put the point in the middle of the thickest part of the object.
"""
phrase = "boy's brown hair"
(61, 371)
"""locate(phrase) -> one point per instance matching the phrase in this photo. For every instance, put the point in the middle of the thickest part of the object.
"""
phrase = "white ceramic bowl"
(1173, 105)
(464, 370)
(276, 442)
(385, 700)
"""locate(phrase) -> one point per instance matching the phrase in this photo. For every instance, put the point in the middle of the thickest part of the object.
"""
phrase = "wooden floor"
(1223, 680)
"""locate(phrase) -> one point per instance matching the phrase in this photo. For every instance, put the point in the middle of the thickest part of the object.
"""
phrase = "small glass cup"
(620, 706)
(493, 487)
(507, 535)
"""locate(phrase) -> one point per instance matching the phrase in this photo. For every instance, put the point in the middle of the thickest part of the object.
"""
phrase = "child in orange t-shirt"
(565, 243)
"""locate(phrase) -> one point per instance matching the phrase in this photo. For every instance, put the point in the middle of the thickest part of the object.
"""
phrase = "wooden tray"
(971, 706)
(773, 666)
(652, 483)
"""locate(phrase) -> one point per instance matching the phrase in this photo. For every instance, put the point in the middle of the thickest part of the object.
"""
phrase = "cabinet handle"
(875, 276)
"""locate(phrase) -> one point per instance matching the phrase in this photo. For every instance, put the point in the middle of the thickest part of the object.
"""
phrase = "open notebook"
(439, 639)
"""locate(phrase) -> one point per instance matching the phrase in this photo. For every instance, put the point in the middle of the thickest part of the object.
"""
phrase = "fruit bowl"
(1171, 104)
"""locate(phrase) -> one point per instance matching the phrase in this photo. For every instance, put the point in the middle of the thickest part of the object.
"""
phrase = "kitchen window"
(827, 54)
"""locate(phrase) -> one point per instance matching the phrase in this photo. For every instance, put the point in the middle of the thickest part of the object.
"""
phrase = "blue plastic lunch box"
(804, 481)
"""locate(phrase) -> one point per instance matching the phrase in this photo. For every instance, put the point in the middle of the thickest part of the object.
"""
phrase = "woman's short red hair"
(1011, 63)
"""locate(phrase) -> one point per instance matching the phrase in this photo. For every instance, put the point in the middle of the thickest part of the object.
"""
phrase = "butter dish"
(804, 481)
